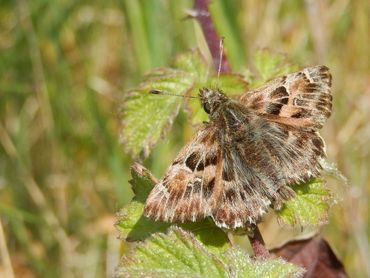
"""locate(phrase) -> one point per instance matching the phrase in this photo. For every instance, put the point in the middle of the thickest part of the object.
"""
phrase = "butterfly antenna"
(220, 60)
(158, 92)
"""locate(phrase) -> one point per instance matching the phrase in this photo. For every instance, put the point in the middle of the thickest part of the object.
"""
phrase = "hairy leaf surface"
(180, 254)
(310, 205)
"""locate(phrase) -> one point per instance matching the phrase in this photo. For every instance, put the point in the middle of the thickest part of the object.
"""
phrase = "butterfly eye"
(207, 107)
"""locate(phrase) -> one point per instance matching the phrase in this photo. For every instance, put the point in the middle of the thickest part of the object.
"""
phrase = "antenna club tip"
(155, 92)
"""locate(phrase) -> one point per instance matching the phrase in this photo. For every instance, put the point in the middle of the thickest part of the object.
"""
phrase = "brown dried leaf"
(314, 254)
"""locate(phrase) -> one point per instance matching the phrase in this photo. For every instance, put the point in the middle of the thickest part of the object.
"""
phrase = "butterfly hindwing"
(259, 164)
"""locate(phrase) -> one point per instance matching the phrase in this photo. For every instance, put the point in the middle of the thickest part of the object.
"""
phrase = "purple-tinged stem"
(202, 14)
(258, 245)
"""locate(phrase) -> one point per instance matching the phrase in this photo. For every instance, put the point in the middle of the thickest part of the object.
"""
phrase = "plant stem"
(201, 13)
(4, 255)
(257, 243)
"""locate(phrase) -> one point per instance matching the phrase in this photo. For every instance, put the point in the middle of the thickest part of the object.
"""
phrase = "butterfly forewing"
(304, 97)
(183, 193)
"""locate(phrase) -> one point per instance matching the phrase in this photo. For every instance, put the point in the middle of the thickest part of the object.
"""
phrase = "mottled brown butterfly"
(249, 154)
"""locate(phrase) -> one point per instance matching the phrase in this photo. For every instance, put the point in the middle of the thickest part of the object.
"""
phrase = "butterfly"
(249, 154)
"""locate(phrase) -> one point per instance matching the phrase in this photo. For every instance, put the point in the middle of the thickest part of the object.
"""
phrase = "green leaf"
(142, 182)
(133, 226)
(214, 238)
(270, 65)
(310, 205)
(241, 265)
(146, 117)
(177, 254)
(180, 254)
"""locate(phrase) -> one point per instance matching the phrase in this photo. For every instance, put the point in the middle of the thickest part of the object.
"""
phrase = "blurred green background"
(64, 69)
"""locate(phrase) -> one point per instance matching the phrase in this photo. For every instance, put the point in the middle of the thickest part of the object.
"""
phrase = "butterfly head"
(211, 99)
